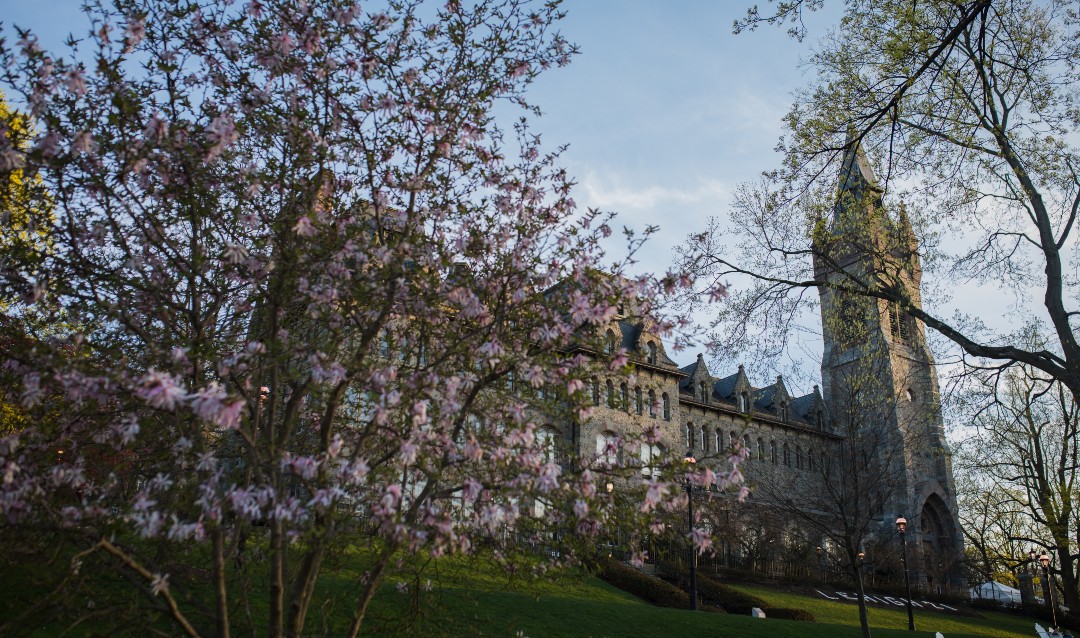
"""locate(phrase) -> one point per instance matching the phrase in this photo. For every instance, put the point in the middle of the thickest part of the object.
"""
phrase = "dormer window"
(609, 342)
(744, 402)
(650, 357)
(703, 392)
(784, 412)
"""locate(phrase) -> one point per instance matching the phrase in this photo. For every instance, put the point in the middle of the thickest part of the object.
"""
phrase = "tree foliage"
(1021, 455)
(309, 300)
(968, 112)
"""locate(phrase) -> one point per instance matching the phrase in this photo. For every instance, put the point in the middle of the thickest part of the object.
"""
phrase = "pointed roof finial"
(855, 170)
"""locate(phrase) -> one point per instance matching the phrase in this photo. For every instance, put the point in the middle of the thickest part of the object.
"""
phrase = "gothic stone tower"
(877, 371)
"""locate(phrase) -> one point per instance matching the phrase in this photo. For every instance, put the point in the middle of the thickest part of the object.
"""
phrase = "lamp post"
(690, 461)
(1044, 560)
(901, 526)
(611, 498)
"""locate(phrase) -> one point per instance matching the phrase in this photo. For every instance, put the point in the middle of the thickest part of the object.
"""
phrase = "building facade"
(879, 389)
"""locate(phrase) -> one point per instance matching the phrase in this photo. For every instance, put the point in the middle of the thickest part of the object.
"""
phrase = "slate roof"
(725, 388)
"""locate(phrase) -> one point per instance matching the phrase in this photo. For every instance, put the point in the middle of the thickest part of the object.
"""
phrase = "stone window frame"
(761, 449)
(594, 382)
(650, 356)
(705, 438)
(610, 393)
(652, 404)
(666, 406)
(624, 397)
(773, 454)
(639, 401)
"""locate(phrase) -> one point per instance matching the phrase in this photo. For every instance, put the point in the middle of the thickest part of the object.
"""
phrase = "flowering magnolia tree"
(298, 295)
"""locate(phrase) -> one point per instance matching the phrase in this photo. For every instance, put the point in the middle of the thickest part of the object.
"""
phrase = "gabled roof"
(725, 388)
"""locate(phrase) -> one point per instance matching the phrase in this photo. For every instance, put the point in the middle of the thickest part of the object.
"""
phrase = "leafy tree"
(968, 110)
(1022, 450)
(313, 305)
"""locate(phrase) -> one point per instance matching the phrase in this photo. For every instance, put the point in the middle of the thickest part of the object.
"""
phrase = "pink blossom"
(221, 133)
(135, 32)
(83, 143)
(654, 494)
(234, 253)
(304, 226)
(160, 390)
(701, 539)
(160, 583)
(76, 83)
(419, 412)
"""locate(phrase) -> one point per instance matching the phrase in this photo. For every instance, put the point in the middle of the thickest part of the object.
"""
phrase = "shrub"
(790, 613)
(731, 600)
(650, 589)
(714, 592)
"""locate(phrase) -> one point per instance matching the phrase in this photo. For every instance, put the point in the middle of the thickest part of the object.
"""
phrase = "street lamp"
(611, 498)
(901, 526)
(690, 461)
(1044, 559)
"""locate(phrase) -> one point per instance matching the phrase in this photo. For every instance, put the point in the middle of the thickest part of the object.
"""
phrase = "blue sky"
(665, 111)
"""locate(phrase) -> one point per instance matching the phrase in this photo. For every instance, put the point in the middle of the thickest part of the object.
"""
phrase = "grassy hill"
(476, 597)
(479, 602)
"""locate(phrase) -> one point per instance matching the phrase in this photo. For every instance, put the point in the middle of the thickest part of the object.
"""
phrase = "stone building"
(792, 438)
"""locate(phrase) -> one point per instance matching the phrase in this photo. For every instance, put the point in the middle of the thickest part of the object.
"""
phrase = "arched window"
(607, 447)
(744, 402)
(624, 397)
(784, 412)
(704, 438)
(810, 459)
(610, 394)
(595, 390)
(667, 407)
(772, 452)
(688, 436)
(734, 440)
(651, 456)
(703, 392)
(609, 342)
(652, 404)
(719, 440)
(798, 457)
(787, 455)
(639, 402)
(760, 450)
(651, 356)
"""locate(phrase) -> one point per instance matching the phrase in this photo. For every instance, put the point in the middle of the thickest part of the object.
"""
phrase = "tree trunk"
(860, 593)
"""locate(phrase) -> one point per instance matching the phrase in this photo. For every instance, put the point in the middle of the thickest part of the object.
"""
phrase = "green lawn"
(474, 597)
(483, 604)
